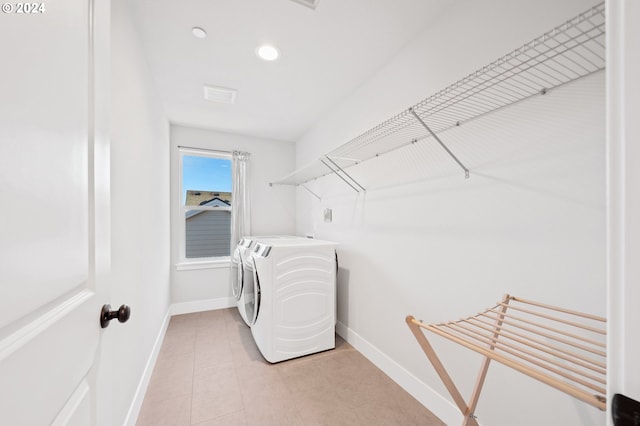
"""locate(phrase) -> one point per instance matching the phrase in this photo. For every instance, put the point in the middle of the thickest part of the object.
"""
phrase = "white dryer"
(242, 269)
(291, 309)
(239, 273)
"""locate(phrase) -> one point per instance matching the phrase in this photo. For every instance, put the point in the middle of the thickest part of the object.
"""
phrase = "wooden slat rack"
(562, 348)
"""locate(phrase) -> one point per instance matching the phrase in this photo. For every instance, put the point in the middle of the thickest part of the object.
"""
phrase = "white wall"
(140, 211)
(424, 241)
(272, 208)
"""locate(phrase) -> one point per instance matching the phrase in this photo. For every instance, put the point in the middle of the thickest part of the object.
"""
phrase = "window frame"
(185, 263)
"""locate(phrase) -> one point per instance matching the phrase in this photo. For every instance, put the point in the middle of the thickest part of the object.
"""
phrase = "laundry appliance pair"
(286, 292)
(242, 271)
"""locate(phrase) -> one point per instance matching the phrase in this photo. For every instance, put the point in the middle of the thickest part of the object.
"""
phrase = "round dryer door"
(252, 295)
(236, 274)
(239, 279)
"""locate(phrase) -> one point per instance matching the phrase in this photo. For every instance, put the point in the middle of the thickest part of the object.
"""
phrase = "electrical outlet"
(328, 215)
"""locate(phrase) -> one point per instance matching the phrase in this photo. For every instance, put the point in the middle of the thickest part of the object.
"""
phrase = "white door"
(54, 234)
(623, 108)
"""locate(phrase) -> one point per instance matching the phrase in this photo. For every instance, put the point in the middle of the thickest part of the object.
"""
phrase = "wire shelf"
(569, 52)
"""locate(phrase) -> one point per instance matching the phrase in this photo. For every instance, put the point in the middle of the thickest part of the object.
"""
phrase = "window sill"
(222, 262)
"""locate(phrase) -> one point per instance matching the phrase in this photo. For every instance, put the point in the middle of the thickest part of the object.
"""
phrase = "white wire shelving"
(567, 53)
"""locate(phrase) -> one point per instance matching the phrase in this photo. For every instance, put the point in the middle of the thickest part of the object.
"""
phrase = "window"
(205, 205)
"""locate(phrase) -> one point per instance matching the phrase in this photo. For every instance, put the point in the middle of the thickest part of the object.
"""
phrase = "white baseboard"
(202, 305)
(138, 398)
(436, 403)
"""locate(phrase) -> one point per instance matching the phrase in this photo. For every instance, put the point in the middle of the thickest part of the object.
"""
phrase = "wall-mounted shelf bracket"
(451, 154)
(339, 171)
(311, 192)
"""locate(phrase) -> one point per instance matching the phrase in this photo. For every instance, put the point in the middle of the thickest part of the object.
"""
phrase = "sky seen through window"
(205, 174)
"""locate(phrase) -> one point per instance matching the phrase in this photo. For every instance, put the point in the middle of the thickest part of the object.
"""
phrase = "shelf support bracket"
(311, 192)
(337, 170)
(345, 173)
(451, 154)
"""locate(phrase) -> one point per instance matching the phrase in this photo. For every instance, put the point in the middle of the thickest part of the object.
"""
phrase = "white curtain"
(240, 205)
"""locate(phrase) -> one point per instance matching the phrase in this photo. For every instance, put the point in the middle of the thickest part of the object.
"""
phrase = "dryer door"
(236, 274)
(240, 278)
(252, 295)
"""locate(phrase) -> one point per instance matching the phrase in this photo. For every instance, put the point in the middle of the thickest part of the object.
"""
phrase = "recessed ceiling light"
(198, 32)
(267, 52)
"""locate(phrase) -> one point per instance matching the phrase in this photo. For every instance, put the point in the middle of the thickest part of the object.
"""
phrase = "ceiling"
(325, 54)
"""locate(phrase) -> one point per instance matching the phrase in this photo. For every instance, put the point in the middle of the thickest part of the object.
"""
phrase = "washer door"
(237, 273)
(252, 296)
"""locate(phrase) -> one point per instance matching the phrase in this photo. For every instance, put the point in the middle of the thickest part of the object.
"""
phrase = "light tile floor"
(210, 373)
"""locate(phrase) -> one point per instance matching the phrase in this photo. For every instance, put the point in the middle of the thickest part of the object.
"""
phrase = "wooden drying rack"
(556, 346)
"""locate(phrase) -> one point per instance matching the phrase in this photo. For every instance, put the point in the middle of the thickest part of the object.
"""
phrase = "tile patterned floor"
(210, 373)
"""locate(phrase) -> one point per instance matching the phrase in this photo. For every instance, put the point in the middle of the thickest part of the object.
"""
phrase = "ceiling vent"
(309, 3)
(220, 94)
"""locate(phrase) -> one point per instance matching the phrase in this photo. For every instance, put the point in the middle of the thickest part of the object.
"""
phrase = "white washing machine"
(242, 269)
(291, 309)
